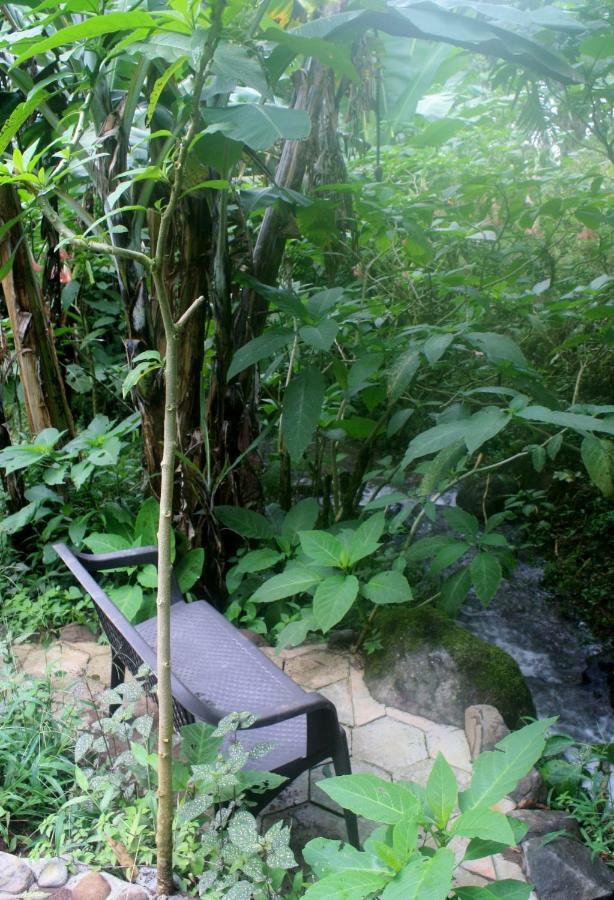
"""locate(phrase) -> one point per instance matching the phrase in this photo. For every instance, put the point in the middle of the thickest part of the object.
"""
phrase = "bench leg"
(342, 766)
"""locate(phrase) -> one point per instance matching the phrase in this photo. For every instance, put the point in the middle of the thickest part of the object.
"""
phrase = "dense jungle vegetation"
(366, 247)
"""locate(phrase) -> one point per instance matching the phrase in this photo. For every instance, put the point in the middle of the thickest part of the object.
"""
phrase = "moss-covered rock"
(432, 667)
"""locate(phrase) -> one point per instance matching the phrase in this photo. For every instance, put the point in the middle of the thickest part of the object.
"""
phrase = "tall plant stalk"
(173, 328)
(172, 332)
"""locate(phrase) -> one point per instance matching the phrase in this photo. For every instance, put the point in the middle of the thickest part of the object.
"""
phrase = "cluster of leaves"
(489, 551)
(109, 815)
(334, 569)
(409, 856)
(569, 531)
(133, 588)
(43, 609)
(579, 778)
(51, 468)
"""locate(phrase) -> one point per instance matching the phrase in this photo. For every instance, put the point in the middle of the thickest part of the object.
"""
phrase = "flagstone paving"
(388, 742)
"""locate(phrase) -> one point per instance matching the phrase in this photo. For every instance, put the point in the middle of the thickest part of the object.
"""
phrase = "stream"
(556, 657)
(559, 659)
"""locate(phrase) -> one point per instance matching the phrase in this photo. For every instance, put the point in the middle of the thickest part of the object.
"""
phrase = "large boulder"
(565, 868)
(432, 667)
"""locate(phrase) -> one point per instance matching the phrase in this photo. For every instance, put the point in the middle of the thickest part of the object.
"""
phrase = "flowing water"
(555, 656)
(558, 658)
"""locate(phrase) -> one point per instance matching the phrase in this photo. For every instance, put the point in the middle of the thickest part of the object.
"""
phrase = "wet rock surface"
(430, 666)
(563, 869)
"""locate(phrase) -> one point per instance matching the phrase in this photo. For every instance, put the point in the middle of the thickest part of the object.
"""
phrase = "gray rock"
(484, 727)
(432, 667)
(530, 790)
(54, 874)
(564, 870)
(540, 822)
(16, 876)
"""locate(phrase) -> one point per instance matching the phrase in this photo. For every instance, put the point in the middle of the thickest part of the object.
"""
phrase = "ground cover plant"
(277, 279)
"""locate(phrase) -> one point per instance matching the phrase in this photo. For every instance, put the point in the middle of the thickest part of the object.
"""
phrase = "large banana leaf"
(429, 21)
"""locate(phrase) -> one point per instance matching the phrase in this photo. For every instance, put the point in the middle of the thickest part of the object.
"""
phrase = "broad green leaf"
(302, 406)
(246, 522)
(294, 633)
(233, 63)
(434, 439)
(461, 521)
(435, 347)
(496, 773)
(484, 823)
(19, 520)
(372, 797)
(293, 580)
(448, 555)
(148, 577)
(402, 373)
(453, 592)
(478, 848)
(92, 27)
(485, 571)
(424, 878)
(363, 370)
(426, 547)
(159, 86)
(259, 126)
(321, 547)
(434, 23)
(189, 568)
(333, 599)
(259, 348)
(566, 419)
(387, 587)
(198, 745)
(405, 838)
(598, 459)
(332, 54)
(397, 421)
(146, 524)
(441, 791)
(484, 425)
(258, 561)
(350, 884)
(439, 467)
(129, 599)
(105, 543)
(498, 347)
(320, 336)
(365, 539)
(324, 856)
(302, 517)
(508, 889)
(323, 301)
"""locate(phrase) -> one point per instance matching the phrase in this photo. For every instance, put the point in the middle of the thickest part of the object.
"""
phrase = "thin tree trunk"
(41, 378)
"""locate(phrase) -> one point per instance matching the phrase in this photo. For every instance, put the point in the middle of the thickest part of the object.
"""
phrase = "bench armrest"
(97, 562)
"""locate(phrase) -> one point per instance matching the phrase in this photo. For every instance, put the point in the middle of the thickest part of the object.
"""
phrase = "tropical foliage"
(280, 281)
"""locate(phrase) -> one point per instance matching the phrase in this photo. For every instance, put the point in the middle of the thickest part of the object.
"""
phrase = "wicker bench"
(216, 671)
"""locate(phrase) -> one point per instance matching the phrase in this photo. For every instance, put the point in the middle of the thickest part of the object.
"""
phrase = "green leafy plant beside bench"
(409, 856)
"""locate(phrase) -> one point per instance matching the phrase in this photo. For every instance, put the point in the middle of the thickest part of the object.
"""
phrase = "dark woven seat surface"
(218, 665)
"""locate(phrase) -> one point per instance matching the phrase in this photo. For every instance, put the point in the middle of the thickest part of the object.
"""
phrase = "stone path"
(385, 741)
